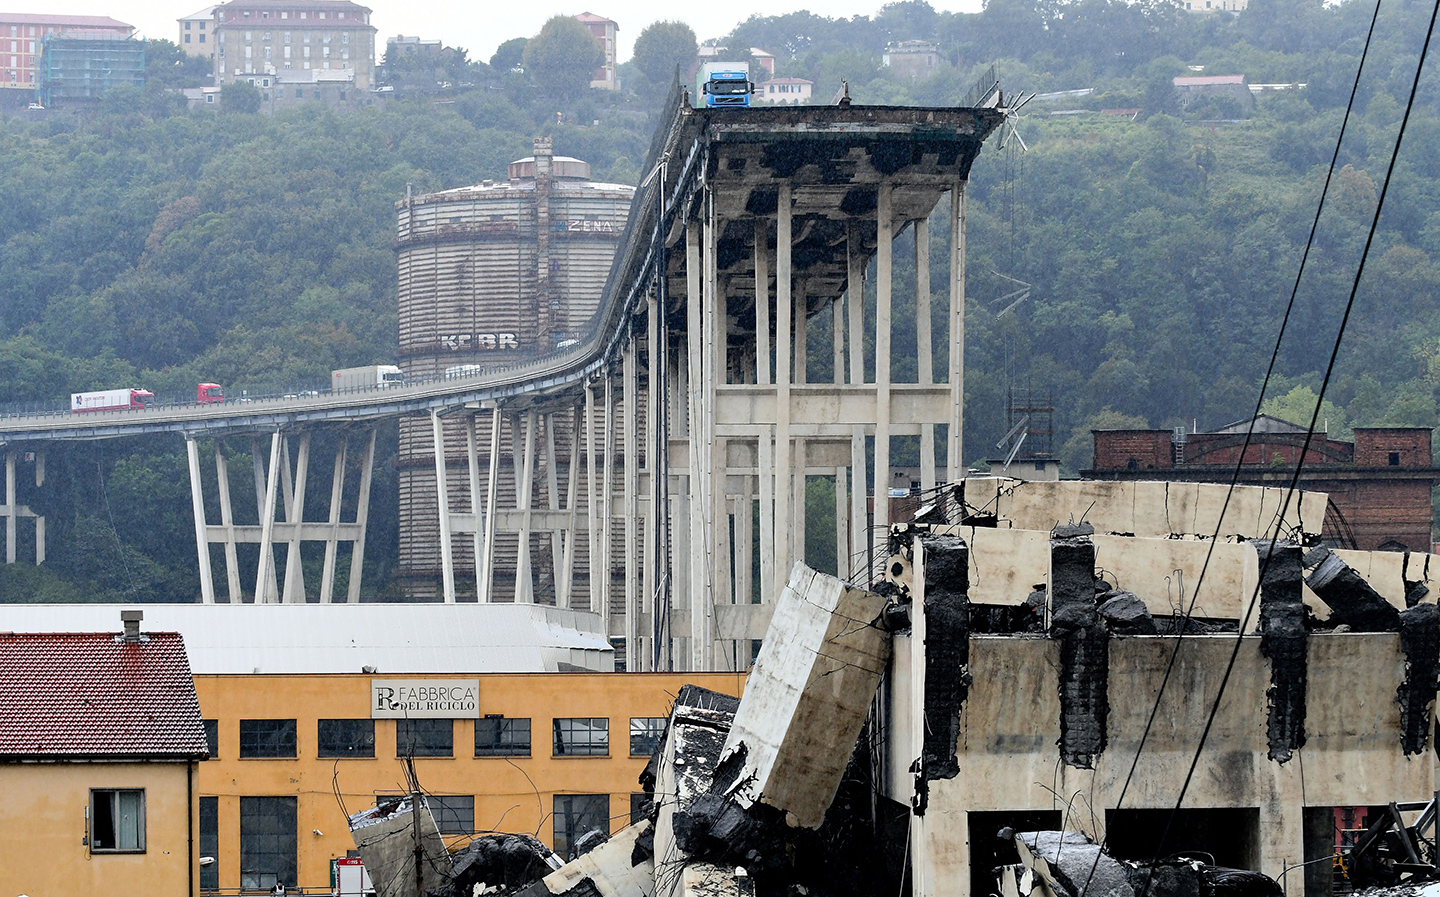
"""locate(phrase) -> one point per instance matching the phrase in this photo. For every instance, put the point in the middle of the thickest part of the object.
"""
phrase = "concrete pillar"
(592, 500)
(485, 580)
(12, 505)
(572, 477)
(265, 588)
(442, 504)
(957, 332)
(783, 348)
(762, 302)
(227, 520)
(472, 470)
(552, 499)
(801, 457)
(630, 508)
(362, 519)
(332, 541)
(855, 303)
(884, 285)
(197, 504)
(524, 483)
(923, 345)
(295, 516)
(654, 521)
(607, 502)
(696, 285)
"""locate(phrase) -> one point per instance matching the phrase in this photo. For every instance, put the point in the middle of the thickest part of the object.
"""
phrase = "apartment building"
(21, 37)
(287, 37)
(197, 33)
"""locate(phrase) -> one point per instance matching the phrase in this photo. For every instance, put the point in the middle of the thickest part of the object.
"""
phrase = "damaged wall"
(1154, 509)
(1007, 755)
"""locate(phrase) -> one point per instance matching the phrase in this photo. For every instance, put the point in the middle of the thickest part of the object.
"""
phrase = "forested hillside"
(141, 244)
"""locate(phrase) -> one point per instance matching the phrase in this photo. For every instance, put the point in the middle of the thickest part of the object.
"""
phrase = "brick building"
(21, 35)
(285, 39)
(1379, 485)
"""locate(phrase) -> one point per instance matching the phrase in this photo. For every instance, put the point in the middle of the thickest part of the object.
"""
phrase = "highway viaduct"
(748, 225)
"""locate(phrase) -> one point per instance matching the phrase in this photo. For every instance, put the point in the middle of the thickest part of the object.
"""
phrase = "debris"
(1350, 598)
(1073, 864)
(807, 696)
(608, 869)
(385, 838)
(504, 861)
(947, 651)
(1125, 614)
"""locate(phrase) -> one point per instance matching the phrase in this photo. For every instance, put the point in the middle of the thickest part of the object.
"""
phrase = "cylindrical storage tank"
(493, 274)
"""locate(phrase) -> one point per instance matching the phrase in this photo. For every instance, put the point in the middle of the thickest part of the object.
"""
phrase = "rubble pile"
(1069, 864)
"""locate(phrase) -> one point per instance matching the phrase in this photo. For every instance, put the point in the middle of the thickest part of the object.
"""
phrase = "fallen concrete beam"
(624, 866)
(1349, 596)
(385, 839)
(807, 696)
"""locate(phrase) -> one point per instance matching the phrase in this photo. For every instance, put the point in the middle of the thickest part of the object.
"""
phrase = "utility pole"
(419, 848)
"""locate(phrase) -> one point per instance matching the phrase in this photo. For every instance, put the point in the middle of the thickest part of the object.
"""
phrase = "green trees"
(563, 57)
(239, 96)
(662, 49)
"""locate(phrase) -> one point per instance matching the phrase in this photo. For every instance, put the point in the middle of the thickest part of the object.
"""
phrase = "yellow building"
(100, 740)
(511, 712)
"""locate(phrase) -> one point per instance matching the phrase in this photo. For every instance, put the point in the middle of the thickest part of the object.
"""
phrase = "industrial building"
(490, 275)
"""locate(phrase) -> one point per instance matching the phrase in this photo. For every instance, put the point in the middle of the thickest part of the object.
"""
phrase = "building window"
(267, 841)
(424, 738)
(582, 737)
(202, 38)
(210, 842)
(577, 814)
(209, 97)
(454, 813)
(300, 94)
(640, 806)
(496, 736)
(117, 821)
(343, 737)
(267, 738)
(212, 737)
(645, 733)
(187, 38)
(1394, 459)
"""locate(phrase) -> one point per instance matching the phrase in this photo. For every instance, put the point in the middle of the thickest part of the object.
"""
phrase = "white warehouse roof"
(345, 638)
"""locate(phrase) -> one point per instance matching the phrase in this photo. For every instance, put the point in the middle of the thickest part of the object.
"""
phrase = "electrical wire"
(1250, 430)
(1314, 417)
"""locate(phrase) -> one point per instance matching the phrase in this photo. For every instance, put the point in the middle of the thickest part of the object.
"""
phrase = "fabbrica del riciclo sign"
(424, 698)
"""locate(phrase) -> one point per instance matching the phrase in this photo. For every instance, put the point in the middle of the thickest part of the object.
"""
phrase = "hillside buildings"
(83, 65)
(784, 91)
(197, 33)
(913, 59)
(21, 36)
(603, 30)
(297, 44)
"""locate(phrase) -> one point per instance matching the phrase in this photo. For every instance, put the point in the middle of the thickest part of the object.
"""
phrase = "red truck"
(209, 394)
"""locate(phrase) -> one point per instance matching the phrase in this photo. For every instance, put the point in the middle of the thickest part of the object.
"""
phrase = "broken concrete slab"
(710, 880)
(1073, 865)
(807, 696)
(504, 861)
(684, 766)
(1125, 614)
(384, 837)
(613, 869)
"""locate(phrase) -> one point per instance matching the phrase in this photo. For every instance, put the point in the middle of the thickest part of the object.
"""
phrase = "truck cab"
(727, 89)
(209, 394)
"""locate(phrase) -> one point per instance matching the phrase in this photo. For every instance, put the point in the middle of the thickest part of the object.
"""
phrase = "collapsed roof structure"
(1143, 666)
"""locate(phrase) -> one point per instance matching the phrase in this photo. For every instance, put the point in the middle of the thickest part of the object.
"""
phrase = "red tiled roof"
(20, 18)
(92, 695)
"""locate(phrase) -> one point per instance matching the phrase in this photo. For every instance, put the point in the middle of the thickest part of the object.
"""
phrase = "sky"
(480, 27)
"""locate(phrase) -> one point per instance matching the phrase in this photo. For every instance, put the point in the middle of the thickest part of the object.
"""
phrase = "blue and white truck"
(726, 84)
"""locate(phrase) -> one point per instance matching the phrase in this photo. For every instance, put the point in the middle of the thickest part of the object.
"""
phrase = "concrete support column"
(801, 460)
(855, 302)
(265, 589)
(227, 520)
(842, 505)
(442, 504)
(784, 346)
(472, 470)
(12, 502)
(607, 503)
(197, 504)
(717, 517)
(332, 541)
(39, 518)
(923, 345)
(485, 580)
(696, 283)
(956, 438)
(552, 499)
(884, 286)
(630, 386)
(565, 586)
(654, 513)
(362, 519)
(762, 302)
(524, 487)
(592, 501)
(295, 516)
